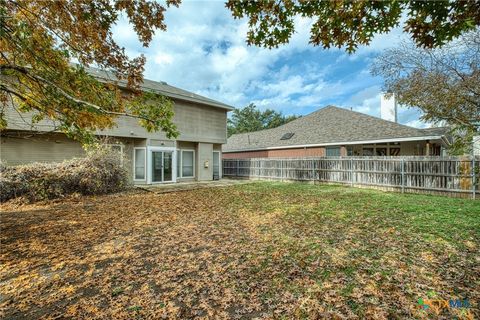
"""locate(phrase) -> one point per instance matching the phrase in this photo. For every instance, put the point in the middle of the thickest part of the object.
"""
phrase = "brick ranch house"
(333, 131)
(151, 156)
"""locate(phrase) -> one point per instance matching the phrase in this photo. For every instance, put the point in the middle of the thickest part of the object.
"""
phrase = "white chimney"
(388, 108)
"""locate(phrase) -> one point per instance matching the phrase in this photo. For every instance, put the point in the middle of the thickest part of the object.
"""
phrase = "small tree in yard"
(444, 83)
(250, 119)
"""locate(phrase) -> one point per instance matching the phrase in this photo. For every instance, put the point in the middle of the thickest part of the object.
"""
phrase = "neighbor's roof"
(327, 126)
(436, 130)
(162, 88)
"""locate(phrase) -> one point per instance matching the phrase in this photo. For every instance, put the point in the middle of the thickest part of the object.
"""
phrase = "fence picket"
(452, 175)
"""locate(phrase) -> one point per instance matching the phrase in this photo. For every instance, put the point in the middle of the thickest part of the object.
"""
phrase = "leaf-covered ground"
(260, 250)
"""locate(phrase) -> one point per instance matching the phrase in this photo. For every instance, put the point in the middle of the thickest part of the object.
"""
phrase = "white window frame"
(333, 148)
(149, 163)
(219, 164)
(180, 155)
(144, 165)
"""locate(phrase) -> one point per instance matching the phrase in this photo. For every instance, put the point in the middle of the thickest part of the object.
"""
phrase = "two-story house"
(194, 155)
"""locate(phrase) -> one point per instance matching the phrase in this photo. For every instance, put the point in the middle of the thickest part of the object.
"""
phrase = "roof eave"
(122, 84)
(189, 99)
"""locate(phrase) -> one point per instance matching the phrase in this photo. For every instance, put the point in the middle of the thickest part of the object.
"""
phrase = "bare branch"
(77, 101)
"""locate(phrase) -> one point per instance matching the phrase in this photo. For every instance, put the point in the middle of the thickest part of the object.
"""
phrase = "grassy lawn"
(260, 250)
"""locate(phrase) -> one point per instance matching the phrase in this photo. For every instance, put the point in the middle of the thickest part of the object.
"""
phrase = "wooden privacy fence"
(455, 176)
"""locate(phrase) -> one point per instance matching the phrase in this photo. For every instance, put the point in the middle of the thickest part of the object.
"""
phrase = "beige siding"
(201, 123)
(40, 148)
(140, 143)
(128, 156)
(204, 154)
(160, 143)
(22, 148)
(186, 145)
(22, 121)
(195, 122)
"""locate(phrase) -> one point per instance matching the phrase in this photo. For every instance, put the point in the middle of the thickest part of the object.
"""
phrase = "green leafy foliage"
(149, 106)
(349, 24)
(250, 119)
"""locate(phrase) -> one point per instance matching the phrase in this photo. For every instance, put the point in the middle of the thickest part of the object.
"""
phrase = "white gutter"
(340, 143)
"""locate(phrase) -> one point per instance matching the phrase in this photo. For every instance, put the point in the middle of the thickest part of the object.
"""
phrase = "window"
(287, 136)
(381, 151)
(333, 152)
(367, 152)
(349, 151)
(187, 163)
(139, 163)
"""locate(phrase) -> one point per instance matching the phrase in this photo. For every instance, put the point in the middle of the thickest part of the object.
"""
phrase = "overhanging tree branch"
(75, 100)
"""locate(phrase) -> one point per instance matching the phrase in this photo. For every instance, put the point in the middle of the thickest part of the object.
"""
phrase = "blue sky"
(204, 51)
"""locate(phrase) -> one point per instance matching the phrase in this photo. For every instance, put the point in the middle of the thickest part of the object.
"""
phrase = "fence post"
(281, 170)
(238, 167)
(351, 172)
(313, 170)
(473, 178)
(403, 175)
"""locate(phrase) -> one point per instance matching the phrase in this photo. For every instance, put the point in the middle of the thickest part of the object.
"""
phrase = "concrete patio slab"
(185, 186)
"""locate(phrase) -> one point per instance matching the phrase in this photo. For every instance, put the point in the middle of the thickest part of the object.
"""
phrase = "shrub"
(100, 172)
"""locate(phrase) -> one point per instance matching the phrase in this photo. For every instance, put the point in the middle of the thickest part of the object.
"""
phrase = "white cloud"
(204, 51)
(366, 101)
(163, 58)
(417, 124)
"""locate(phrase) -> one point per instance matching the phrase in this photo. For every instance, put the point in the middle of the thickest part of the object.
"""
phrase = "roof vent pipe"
(388, 107)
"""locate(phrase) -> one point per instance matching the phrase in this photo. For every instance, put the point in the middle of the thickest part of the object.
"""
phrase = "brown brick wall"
(245, 155)
(278, 153)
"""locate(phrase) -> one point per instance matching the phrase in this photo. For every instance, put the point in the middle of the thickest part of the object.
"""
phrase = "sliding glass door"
(167, 166)
(161, 165)
(157, 166)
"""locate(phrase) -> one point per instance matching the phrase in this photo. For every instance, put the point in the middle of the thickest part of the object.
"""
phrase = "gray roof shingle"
(325, 126)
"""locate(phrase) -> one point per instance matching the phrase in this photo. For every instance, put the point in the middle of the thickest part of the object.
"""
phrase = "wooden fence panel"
(452, 175)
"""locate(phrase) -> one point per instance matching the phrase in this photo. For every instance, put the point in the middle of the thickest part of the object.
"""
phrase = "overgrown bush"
(100, 172)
